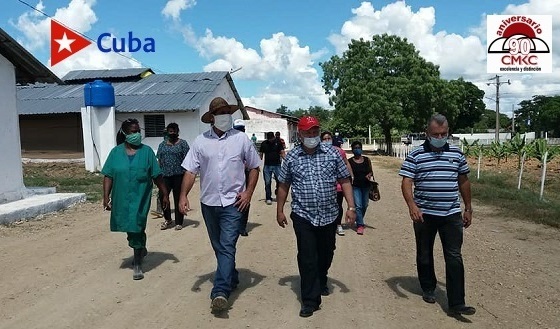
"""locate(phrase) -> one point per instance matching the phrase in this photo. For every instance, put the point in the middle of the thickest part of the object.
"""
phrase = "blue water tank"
(99, 93)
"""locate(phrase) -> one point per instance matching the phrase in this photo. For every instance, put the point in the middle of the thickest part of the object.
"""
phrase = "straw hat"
(216, 104)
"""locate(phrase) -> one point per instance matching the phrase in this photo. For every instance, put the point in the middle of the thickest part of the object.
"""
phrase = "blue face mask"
(134, 139)
(357, 152)
(438, 142)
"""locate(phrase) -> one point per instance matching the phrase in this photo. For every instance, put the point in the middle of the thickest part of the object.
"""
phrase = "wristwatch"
(351, 209)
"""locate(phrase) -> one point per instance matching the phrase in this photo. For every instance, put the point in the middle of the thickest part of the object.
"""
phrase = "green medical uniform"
(131, 191)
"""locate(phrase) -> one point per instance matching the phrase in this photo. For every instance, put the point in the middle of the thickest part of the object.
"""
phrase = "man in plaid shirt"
(312, 169)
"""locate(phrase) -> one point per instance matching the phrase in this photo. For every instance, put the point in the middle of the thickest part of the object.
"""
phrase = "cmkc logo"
(519, 44)
(65, 43)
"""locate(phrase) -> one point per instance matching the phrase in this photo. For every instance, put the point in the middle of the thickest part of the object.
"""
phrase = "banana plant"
(540, 147)
(498, 151)
(517, 146)
(468, 148)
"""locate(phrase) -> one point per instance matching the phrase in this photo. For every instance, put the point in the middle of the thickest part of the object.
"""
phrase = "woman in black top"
(363, 173)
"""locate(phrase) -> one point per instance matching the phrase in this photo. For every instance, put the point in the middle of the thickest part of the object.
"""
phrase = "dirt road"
(68, 271)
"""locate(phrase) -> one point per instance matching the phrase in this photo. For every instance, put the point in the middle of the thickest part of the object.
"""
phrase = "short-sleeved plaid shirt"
(313, 180)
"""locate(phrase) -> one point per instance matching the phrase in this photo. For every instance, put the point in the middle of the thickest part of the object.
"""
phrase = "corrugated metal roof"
(155, 93)
(104, 74)
(28, 68)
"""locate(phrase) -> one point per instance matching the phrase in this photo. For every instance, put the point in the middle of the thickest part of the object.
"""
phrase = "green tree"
(283, 110)
(471, 104)
(381, 82)
(541, 113)
(488, 121)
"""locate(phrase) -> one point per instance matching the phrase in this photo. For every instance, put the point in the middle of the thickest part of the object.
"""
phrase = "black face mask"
(173, 137)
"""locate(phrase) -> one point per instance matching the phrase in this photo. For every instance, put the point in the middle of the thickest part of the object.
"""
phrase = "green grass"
(67, 178)
(499, 189)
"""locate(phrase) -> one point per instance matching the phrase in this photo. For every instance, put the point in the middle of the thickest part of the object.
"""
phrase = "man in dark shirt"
(273, 153)
(277, 135)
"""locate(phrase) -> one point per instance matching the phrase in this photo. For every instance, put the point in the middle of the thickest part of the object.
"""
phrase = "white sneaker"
(269, 202)
(339, 230)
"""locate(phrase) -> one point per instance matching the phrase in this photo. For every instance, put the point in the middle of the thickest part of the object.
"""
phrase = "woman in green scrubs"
(129, 171)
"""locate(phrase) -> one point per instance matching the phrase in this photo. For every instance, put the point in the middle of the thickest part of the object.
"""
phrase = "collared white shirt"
(221, 163)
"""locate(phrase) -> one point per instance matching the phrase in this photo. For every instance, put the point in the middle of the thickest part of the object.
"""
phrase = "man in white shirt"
(220, 156)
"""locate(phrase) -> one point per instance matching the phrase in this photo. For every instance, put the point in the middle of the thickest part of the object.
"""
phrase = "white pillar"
(11, 172)
(98, 127)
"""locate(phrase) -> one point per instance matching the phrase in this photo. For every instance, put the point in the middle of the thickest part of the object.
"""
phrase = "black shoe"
(244, 233)
(307, 311)
(429, 297)
(325, 291)
(137, 273)
(219, 304)
(462, 309)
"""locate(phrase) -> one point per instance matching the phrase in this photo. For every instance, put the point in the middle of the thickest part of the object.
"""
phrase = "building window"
(154, 125)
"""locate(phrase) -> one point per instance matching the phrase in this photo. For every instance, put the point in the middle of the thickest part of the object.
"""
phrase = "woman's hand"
(165, 201)
(107, 202)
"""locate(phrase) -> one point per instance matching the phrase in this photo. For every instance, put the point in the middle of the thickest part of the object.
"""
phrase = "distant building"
(263, 121)
(50, 114)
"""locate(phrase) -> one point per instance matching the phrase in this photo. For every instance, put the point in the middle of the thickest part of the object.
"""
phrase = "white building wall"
(189, 122)
(11, 172)
(261, 124)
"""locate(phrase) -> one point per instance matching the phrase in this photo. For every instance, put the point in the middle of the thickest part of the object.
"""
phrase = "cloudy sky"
(275, 47)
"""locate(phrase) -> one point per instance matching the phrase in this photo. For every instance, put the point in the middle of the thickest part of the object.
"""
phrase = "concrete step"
(36, 205)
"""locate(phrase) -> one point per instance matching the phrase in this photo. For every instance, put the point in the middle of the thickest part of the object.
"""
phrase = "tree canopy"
(539, 114)
(382, 82)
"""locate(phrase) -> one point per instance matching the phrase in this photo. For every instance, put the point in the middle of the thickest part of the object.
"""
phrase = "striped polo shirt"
(436, 178)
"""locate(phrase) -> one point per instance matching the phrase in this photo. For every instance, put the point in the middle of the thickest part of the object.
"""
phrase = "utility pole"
(512, 121)
(497, 83)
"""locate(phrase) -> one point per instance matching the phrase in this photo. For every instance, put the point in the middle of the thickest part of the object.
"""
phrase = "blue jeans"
(450, 229)
(267, 173)
(222, 224)
(361, 199)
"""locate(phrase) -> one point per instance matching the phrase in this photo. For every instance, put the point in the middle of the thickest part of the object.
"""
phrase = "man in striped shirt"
(312, 170)
(439, 172)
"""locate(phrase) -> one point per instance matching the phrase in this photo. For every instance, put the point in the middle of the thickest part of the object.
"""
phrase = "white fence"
(401, 150)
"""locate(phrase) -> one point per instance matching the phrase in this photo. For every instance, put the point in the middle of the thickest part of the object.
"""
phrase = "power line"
(81, 34)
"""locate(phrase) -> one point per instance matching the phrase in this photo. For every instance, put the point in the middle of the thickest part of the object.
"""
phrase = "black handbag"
(374, 191)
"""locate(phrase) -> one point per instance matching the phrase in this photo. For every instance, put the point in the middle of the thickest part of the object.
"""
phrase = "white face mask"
(223, 122)
(311, 142)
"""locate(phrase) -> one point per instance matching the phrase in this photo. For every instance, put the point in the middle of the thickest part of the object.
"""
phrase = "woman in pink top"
(326, 137)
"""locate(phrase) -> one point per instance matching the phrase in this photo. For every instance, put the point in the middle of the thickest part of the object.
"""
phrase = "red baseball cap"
(307, 122)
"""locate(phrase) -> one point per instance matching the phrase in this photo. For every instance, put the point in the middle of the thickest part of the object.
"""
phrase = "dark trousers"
(339, 197)
(316, 245)
(173, 183)
(136, 240)
(450, 229)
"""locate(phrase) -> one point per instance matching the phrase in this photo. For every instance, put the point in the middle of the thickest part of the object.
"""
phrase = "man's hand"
(281, 219)
(467, 219)
(350, 217)
(243, 200)
(184, 204)
(415, 214)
